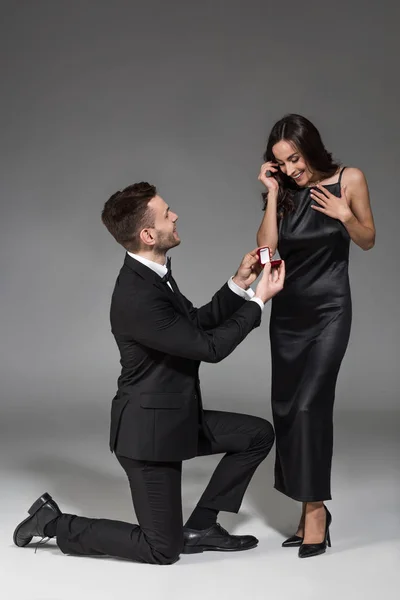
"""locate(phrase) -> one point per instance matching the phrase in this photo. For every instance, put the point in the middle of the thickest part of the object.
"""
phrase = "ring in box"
(264, 256)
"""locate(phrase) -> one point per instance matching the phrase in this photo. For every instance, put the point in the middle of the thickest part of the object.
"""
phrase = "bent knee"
(262, 436)
(266, 435)
(166, 554)
(164, 559)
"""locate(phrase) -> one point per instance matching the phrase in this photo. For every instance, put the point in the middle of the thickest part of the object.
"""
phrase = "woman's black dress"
(309, 329)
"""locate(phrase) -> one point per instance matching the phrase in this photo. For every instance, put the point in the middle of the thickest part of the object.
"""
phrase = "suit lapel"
(180, 297)
(153, 279)
(174, 295)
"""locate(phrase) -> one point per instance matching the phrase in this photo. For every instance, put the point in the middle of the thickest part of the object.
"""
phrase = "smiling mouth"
(298, 175)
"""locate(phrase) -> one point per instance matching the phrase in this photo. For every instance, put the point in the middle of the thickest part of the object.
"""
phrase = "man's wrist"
(246, 294)
(239, 282)
(258, 301)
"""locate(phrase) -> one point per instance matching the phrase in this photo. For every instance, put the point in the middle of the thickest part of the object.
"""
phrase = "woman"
(313, 208)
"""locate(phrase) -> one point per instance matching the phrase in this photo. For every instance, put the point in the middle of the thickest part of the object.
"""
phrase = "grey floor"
(69, 458)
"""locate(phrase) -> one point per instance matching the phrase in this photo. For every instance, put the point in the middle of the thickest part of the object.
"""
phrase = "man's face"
(164, 231)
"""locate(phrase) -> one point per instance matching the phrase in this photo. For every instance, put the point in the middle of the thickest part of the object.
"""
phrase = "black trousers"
(156, 495)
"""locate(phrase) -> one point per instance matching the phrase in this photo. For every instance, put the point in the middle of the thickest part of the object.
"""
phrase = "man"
(157, 419)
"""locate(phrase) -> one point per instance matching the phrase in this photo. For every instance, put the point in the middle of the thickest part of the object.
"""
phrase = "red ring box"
(264, 256)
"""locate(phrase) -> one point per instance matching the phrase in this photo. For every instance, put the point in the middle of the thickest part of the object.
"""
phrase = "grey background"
(98, 95)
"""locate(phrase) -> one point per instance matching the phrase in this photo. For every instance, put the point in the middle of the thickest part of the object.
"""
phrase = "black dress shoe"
(293, 542)
(41, 513)
(215, 538)
(308, 550)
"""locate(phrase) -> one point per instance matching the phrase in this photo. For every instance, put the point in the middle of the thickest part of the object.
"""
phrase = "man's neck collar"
(151, 257)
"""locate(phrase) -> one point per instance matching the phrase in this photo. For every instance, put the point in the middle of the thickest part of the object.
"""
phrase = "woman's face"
(292, 163)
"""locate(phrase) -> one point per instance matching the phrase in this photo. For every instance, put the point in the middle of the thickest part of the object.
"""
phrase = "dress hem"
(303, 498)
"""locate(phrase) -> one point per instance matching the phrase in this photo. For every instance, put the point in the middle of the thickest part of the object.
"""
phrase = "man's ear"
(147, 237)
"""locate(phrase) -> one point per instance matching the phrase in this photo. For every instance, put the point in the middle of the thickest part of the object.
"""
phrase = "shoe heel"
(328, 539)
(39, 503)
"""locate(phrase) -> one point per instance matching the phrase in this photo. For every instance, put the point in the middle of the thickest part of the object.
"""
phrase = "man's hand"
(271, 282)
(248, 271)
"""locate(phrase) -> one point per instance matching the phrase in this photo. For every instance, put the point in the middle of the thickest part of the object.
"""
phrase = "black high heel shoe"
(308, 550)
(293, 542)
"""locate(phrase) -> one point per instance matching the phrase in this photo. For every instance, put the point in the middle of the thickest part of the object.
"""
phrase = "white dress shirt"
(162, 270)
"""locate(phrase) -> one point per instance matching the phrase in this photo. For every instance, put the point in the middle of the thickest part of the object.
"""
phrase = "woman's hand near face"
(270, 182)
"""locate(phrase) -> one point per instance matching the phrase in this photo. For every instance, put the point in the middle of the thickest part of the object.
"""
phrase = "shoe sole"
(314, 554)
(31, 511)
(199, 549)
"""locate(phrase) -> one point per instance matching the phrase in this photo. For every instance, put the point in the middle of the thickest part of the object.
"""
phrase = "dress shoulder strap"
(340, 175)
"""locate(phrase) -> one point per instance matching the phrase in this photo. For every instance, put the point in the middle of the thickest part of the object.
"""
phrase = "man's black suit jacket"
(156, 414)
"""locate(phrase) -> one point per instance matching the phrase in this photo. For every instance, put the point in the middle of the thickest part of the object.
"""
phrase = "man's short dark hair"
(126, 213)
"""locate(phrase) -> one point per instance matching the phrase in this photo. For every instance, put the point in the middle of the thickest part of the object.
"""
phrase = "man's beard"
(166, 241)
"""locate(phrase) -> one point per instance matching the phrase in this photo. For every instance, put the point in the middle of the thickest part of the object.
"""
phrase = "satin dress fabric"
(309, 331)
